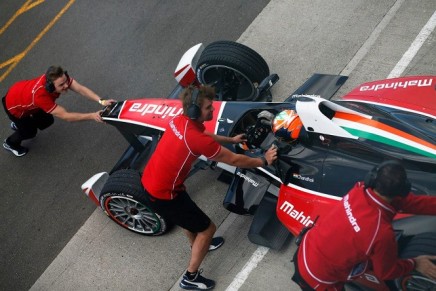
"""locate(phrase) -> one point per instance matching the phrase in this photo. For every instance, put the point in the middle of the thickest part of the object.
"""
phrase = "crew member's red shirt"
(182, 143)
(28, 96)
(356, 232)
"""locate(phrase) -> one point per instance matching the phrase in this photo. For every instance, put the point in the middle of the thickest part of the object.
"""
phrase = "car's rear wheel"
(233, 68)
(421, 244)
(124, 200)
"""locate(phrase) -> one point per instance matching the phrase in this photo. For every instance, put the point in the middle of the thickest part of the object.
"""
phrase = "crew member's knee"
(28, 133)
(210, 230)
(45, 122)
(212, 226)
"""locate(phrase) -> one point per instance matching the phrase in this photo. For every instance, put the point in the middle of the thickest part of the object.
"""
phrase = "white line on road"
(361, 53)
(246, 270)
(414, 47)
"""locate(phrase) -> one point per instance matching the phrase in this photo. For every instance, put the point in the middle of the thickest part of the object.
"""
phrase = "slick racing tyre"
(234, 69)
(421, 244)
(123, 199)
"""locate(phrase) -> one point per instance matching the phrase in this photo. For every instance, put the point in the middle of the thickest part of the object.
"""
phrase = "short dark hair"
(54, 72)
(204, 92)
(391, 180)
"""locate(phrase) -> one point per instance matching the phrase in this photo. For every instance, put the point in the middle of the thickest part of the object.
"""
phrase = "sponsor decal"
(157, 109)
(396, 85)
(299, 216)
(306, 95)
(349, 212)
(248, 179)
(175, 130)
(225, 120)
(299, 177)
(371, 278)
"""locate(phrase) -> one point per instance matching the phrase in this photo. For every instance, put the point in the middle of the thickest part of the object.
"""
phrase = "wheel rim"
(132, 214)
(417, 282)
(231, 84)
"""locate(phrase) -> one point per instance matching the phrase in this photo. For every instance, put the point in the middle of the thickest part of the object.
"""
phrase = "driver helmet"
(287, 125)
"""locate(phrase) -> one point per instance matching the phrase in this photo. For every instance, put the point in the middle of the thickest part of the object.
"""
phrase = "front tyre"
(234, 69)
(421, 244)
(124, 200)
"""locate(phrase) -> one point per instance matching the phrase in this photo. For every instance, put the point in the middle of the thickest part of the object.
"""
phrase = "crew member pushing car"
(31, 105)
(185, 139)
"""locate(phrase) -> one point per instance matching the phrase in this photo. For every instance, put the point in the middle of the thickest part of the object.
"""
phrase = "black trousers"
(297, 277)
(27, 127)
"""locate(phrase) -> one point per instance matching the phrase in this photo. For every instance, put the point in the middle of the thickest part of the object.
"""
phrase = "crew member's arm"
(243, 161)
(385, 261)
(226, 139)
(415, 204)
(88, 93)
(62, 113)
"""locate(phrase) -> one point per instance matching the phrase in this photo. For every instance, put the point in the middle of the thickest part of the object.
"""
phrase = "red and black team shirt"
(182, 143)
(28, 96)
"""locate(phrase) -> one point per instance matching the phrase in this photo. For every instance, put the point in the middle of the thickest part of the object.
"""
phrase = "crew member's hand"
(425, 266)
(239, 138)
(97, 116)
(107, 102)
(266, 115)
(271, 154)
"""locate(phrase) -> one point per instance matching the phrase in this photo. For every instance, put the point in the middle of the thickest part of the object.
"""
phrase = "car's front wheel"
(124, 200)
(234, 69)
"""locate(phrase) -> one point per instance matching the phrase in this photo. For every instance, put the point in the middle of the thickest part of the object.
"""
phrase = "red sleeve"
(416, 204)
(45, 100)
(385, 261)
(204, 144)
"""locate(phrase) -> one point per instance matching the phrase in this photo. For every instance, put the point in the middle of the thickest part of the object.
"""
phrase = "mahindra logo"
(299, 216)
(299, 177)
(349, 212)
(175, 130)
(248, 179)
(156, 109)
(395, 85)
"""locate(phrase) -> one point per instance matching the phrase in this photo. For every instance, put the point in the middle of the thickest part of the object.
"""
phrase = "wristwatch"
(265, 162)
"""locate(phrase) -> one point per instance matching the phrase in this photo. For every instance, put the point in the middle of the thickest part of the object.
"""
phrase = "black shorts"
(28, 126)
(181, 211)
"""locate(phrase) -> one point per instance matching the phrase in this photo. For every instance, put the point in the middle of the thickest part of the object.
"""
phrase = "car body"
(342, 140)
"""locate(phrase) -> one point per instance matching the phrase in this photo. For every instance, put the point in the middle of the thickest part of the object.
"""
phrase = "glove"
(265, 114)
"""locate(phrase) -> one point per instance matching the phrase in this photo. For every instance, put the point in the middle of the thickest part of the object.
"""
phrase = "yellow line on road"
(13, 62)
(26, 6)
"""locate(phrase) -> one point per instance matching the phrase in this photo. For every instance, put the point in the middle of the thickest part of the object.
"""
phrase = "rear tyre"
(234, 69)
(124, 200)
(421, 244)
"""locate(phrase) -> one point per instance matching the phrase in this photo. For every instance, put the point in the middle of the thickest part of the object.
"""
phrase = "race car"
(338, 142)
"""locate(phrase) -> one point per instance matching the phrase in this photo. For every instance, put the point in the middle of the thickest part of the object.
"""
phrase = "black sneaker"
(19, 151)
(216, 243)
(198, 283)
(14, 126)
